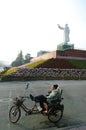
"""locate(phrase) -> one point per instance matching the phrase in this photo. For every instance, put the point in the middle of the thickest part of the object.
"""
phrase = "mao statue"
(66, 32)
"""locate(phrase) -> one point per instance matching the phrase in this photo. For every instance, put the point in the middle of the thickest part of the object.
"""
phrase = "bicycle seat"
(56, 100)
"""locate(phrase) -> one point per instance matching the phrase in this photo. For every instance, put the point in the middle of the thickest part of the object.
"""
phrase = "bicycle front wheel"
(55, 115)
(14, 114)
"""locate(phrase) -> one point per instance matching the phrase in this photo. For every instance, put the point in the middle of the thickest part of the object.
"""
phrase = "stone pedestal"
(65, 46)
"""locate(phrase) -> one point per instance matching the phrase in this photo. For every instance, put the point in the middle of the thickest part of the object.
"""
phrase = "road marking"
(9, 106)
(6, 100)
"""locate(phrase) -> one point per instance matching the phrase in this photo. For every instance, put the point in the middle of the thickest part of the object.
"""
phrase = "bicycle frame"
(31, 110)
(20, 104)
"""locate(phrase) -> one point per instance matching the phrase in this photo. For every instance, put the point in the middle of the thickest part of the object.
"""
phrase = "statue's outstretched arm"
(60, 27)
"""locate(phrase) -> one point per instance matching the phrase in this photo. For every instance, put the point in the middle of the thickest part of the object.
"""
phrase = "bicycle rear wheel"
(14, 114)
(55, 115)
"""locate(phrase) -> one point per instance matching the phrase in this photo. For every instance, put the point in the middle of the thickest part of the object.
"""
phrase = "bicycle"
(54, 114)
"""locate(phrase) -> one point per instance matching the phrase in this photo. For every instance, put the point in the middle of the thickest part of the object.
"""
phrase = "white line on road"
(9, 106)
(6, 100)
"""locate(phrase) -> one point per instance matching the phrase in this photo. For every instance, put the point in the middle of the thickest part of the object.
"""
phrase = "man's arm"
(60, 27)
(52, 94)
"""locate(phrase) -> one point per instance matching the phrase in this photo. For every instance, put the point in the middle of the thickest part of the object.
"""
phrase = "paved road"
(74, 93)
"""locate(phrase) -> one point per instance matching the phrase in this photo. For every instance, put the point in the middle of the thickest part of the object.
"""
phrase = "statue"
(66, 32)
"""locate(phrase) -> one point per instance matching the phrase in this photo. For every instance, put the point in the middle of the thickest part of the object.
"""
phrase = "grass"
(34, 65)
(15, 69)
(10, 71)
(81, 64)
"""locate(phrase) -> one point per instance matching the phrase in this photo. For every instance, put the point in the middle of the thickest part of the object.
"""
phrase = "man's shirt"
(55, 94)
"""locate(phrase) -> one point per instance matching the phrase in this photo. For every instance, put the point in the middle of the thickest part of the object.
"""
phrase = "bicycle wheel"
(14, 114)
(55, 115)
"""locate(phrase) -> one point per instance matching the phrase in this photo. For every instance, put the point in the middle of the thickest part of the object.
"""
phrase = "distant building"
(42, 52)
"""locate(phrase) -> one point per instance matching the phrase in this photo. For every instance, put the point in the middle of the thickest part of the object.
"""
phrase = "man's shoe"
(39, 109)
(32, 97)
(45, 111)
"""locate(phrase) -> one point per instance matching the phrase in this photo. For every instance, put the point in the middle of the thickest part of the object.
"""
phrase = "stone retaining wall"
(46, 73)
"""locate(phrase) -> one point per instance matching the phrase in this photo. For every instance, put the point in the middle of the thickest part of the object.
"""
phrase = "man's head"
(66, 24)
(55, 86)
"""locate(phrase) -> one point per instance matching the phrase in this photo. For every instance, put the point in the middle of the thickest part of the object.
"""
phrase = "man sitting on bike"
(54, 94)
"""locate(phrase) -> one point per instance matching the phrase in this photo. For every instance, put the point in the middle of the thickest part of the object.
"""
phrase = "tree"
(27, 58)
(19, 60)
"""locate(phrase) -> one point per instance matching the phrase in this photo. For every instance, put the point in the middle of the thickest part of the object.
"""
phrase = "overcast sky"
(31, 25)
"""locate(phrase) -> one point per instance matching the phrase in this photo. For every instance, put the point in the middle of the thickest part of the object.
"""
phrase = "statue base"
(65, 46)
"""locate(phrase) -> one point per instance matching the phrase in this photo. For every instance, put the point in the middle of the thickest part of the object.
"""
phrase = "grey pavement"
(74, 117)
(79, 128)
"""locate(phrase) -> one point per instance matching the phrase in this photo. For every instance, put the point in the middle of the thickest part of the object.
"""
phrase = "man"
(54, 94)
